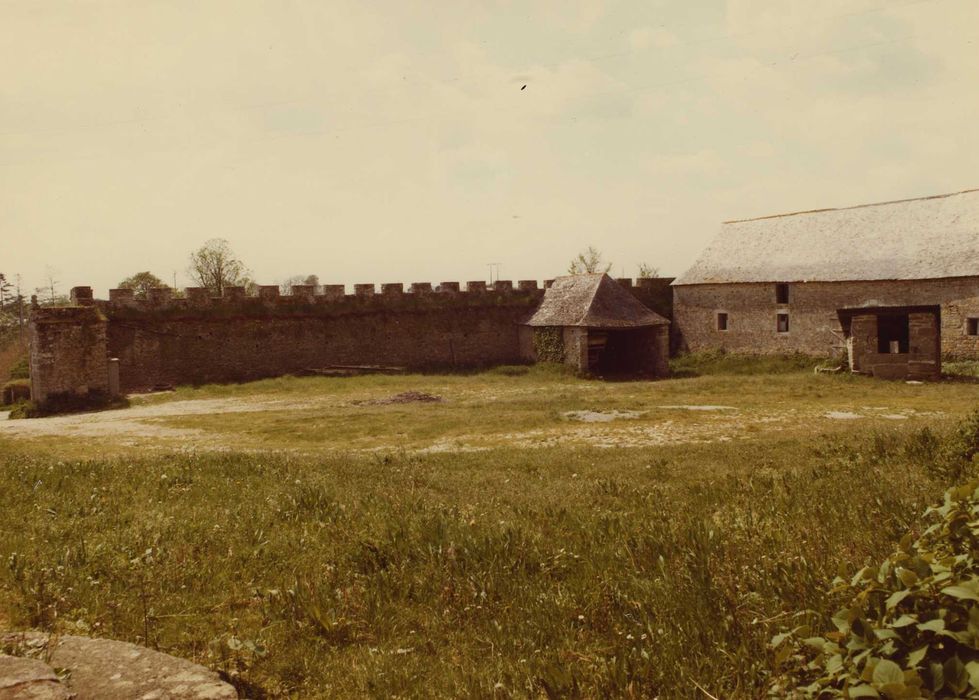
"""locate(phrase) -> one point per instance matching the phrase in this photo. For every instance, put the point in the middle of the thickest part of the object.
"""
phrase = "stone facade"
(916, 358)
(814, 325)
(252, 338)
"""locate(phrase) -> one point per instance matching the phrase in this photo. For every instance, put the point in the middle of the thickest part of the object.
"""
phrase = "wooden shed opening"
(621, 353)
(893, 334)
(894, 342)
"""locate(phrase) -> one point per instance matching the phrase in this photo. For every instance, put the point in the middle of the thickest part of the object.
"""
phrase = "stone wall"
(814, 325)
(164, 339)
(922, 361)
(68, 352)
(238, 338)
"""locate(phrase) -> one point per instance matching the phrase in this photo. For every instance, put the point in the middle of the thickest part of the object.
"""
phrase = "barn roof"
(926, 238)
(593, 301)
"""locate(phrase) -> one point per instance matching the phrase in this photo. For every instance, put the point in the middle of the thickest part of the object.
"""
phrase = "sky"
(395, 141)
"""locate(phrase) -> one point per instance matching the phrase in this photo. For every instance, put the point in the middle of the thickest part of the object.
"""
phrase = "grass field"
(529, 534)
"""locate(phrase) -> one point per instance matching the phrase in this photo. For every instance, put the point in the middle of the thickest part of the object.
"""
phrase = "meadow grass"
(560, 571)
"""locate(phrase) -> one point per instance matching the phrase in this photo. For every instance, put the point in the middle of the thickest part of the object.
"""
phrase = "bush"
(15, 391)
(909, 628)
(20, 370)
(68, 403)
(549, 344)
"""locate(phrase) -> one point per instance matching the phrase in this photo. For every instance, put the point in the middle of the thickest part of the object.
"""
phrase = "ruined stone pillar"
(68, 352)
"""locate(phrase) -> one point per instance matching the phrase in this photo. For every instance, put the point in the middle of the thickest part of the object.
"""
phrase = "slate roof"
(926, 238)
(592, 301)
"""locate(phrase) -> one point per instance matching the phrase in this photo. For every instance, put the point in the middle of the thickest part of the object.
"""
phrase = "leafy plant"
(909, 628)
(588, 261)
(141, 283)
(549, 344)
(21, 369)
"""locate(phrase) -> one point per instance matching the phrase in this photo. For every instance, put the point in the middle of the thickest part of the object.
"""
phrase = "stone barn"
(895, 286)
(592, 323)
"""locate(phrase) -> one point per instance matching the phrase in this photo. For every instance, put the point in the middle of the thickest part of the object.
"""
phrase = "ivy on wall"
(549, 344)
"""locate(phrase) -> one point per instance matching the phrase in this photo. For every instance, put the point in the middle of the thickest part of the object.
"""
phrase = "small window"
(782, 323)
(972, 326)
(893, 334)
(721, 320)
(782, 293)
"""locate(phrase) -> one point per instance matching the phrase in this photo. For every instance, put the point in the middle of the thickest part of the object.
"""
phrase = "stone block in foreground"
(105, 669)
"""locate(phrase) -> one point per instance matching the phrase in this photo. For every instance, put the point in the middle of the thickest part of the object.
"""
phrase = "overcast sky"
(394, 141)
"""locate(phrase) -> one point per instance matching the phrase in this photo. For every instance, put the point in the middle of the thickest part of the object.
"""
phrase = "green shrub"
(68, 403)
(908, 628)
(21, 369)
(960, 369)
(15, 391)
(549, 344)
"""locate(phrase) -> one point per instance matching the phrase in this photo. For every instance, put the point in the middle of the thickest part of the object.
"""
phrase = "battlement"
(330, 292)
(326, 299)
(476, 291)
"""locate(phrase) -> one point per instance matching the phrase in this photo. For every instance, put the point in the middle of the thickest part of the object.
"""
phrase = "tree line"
(215, 266)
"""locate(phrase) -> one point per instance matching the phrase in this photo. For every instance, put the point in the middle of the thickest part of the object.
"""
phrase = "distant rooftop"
(924, 238)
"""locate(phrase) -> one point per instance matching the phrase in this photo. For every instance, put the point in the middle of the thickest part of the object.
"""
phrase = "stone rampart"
(166, 338)
(197, 338)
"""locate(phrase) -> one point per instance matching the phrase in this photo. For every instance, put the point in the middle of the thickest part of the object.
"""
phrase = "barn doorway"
(619, 353)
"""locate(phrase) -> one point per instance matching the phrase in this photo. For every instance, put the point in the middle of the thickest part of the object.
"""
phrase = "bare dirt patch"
(138, 421)
(601, 416)
(403, 397)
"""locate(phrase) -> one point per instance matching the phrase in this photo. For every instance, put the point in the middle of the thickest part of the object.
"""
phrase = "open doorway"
(620, 353)
(893, 334)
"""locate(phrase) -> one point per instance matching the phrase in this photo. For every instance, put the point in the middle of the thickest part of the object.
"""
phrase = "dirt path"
(138, 421)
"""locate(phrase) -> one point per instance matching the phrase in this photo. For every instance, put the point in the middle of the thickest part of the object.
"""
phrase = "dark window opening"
(782, 293)
(721, 321)
(893, 334)
(972, 326)
(783, 323)
(622, 353)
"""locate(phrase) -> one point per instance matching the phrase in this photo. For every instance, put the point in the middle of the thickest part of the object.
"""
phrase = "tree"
(215, 267)
(5, 288)
(141, 282)
(50, 289)
(285, 286)
(647, 272)
(589, 260)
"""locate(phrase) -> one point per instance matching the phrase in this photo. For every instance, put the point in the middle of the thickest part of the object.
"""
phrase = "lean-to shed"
(592, 323)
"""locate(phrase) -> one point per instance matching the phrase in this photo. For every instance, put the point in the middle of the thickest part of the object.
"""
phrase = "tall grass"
(552, 572)
(714, 362)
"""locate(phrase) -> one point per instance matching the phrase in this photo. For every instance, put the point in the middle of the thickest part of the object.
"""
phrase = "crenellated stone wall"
(238, 337)
(194, 337)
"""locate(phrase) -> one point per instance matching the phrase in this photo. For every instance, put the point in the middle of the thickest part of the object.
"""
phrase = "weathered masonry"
(127, 344)
(594, 325)
(818, 282)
